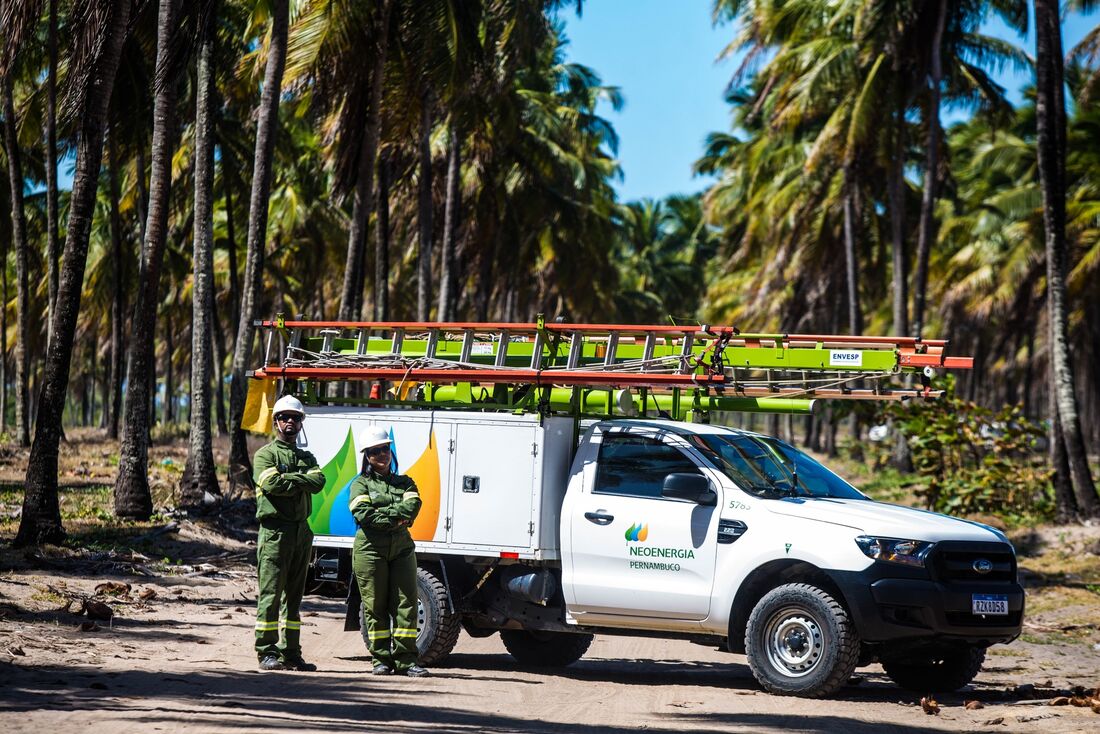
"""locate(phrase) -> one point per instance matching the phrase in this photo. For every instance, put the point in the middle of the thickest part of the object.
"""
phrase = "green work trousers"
(385, 568)
(282, 563)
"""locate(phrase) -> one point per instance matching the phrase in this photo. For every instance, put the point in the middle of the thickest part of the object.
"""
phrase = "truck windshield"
(766, 467)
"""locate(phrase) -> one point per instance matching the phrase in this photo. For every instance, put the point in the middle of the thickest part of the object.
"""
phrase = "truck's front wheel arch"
(764, 579)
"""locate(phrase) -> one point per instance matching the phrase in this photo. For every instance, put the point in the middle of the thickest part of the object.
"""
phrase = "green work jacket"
(286, 477)
(383, 505)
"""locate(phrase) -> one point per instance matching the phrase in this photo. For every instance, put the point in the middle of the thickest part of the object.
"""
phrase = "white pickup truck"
(548, 530)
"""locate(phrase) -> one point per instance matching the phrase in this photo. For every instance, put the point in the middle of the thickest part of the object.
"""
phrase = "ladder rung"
(433, 344)
(612, 347)
(576, 346)
(467, 345)
(536, 351)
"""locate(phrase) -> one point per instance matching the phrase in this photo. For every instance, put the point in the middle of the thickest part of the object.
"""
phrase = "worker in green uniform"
(286, 477)
(384, 505)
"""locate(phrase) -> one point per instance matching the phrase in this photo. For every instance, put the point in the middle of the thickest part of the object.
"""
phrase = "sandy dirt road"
(183, 661)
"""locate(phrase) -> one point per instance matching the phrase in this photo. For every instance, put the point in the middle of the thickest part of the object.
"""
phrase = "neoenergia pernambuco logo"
(637, 533)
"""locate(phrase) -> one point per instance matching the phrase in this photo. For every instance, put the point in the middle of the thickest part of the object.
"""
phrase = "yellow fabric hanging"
(258, 406)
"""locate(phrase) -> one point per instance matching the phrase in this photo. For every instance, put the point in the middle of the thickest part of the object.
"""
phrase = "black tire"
(538, 649)
(800, 642)
(436, 627)
(936, 670)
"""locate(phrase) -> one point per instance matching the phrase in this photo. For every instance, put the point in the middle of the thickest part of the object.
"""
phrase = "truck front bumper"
(889, 609)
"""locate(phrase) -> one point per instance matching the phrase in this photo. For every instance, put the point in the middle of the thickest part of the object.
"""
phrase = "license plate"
(996, 604)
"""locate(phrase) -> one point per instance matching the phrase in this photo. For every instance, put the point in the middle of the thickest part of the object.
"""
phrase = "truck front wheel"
(540, 649)
(800, 642)
(945, 670)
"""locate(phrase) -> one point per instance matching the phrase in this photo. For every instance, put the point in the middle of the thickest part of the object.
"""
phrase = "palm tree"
(19, 236)
(450, 223)
(1051, 149)
(118, 300)
(132, 497)
(240, 466)
(53, 247)
(90, 83)
(199, 477)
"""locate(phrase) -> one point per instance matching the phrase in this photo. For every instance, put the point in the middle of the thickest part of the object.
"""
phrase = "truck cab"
(706, 529)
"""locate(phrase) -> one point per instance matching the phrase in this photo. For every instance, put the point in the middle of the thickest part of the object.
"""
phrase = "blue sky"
(662, 55)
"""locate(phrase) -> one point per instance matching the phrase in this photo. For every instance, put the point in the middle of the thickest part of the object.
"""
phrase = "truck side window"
(637, 465)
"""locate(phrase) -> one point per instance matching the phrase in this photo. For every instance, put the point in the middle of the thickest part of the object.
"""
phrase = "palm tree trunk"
(19, 238)
(1065, 503)
(851, 255)
(169, 373)
(53, 247)
(351, 297)
(41, 519)
(240, 466)
(113, 398)
(231, 251)
(927, 230)
(131, 495)
(199, 476)
(142, 199)
(1051, 126)
(424, 212)
(896, 196)
(217, 348)
(382, 243)
(450, 227)
(4, 339)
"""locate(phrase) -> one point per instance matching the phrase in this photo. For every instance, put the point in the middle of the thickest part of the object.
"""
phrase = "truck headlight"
(895, 550)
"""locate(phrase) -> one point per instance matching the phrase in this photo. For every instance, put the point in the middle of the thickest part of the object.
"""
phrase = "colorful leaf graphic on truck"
(425, 472)
(637, 533)
(330, 515)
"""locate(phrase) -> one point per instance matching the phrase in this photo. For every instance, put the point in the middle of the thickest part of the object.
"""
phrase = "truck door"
(634, 552)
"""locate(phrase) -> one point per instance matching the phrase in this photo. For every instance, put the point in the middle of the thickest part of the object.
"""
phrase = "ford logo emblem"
(982, 566)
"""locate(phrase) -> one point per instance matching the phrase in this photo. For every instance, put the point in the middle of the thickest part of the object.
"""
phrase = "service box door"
(493, 484)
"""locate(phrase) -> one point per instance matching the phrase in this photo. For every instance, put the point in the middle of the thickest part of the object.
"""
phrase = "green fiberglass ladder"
(590, 369)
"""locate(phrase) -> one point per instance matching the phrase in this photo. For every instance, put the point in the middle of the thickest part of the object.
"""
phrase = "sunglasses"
(378, 450)
(287, 417)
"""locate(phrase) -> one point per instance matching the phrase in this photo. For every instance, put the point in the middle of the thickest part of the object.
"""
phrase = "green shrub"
(975, 460)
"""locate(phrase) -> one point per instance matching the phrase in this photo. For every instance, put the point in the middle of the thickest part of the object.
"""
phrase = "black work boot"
(416, 671)
(270, 662)
(300, 665)
(382, 669)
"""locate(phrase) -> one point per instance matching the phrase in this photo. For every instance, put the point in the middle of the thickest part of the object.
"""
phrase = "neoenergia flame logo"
(637, 532)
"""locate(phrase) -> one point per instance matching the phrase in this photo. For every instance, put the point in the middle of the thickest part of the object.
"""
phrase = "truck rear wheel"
(437, 627)
(938, 670)
(539, 649)
(800, 642)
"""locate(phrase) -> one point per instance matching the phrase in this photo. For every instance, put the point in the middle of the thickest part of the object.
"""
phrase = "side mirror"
(693, 487)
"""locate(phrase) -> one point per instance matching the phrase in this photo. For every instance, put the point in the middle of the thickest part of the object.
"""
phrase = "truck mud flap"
(351, 616)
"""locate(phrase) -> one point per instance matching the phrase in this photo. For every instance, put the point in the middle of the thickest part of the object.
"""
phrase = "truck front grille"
(954, 561)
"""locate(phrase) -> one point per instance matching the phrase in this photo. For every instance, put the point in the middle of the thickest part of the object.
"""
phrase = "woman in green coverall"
(384, 505)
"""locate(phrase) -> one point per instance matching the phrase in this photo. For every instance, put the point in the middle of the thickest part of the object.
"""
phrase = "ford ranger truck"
(547, 536)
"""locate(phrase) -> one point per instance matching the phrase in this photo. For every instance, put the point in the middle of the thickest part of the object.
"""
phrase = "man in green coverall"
(286, 477)
(384, 505)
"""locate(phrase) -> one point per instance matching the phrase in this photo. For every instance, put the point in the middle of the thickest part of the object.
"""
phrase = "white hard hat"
(373, 436)
(288, 404)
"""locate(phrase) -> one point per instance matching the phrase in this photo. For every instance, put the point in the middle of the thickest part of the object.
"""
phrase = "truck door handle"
(599, 518)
